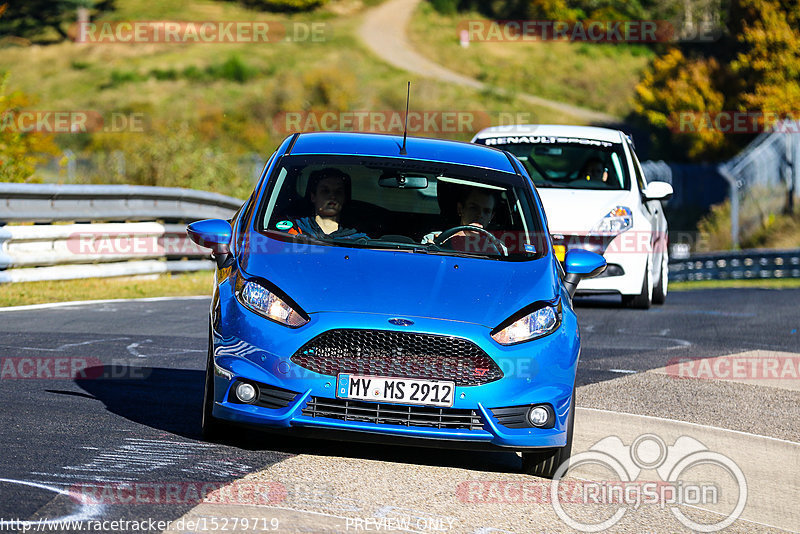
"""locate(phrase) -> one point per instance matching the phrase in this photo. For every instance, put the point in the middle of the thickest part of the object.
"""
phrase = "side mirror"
(657, 191)
(580, 264)
(211, 233)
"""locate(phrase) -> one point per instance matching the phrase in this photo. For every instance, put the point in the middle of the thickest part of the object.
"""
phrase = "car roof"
(552, 130)
(417, 148)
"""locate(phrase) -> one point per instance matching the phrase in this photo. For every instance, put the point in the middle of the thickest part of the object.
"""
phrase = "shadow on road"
(599, 301)
(164, 399)
(170, 400)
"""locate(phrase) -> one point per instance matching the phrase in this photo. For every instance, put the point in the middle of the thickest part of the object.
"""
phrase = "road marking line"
(87, 510)
(49, 305)
(690, 423)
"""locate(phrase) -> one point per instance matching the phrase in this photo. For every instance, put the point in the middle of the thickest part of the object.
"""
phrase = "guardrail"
(737, 265)
(108, 236)
(109, 203)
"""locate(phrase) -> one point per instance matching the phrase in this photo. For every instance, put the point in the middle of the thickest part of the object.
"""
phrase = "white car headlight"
(615, 222)
(531, 326)
(264, 302)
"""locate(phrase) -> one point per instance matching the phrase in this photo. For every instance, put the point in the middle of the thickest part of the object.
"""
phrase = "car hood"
(577, 211)
(405, 284)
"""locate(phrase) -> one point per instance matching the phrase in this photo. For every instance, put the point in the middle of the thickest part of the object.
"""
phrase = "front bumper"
(249, 347)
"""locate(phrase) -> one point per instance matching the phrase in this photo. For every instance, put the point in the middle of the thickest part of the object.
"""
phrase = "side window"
(637, 169)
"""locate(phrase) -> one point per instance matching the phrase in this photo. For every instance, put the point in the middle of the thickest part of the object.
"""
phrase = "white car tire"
(643, 300)
(660, 292)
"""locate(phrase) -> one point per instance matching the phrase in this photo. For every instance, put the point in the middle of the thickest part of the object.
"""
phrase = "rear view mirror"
(547, 151)
(404, 181)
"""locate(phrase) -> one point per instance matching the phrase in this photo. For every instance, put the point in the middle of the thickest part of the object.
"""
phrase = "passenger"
(328, 191)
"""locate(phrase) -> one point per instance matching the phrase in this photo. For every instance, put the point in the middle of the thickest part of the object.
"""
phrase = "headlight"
(264, 302)
(615, 222)
(535, 324)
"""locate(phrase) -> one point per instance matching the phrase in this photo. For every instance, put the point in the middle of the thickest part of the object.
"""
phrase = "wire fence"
(764, 179)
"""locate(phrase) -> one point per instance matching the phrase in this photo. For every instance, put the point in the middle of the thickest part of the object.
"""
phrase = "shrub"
(284, 5)
(118, 77)
(233, 69)
(445, 7)
(170, 156)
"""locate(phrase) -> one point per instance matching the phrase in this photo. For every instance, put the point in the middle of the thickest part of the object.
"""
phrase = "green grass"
(200, 283)
(24, 293)
(597, 76)
(772, 283)
(230, 93)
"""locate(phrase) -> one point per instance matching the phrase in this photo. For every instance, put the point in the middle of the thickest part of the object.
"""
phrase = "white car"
(596, 197)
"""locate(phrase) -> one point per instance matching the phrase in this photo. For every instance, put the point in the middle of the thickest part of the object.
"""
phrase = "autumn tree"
(672, 97)
(755, 68)
(28, 18)
(20, 151)
(768, 61)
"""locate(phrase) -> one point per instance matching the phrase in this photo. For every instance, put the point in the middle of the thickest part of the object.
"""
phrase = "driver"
(328, 191)
(476, 208)
(593, 169)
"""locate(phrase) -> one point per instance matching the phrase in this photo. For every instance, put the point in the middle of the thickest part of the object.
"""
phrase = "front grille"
(393, 414)
(398, 354)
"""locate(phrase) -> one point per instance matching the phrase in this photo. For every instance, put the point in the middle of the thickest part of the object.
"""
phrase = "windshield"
(569, 163)
(419, 206)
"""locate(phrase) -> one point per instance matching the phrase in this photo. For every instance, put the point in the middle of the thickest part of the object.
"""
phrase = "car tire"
(643, 300)
(212, 428)
(660, 292)
(545, 463)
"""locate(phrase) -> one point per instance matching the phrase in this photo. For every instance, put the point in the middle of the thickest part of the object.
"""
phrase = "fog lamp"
(538, 415)
(245, 392)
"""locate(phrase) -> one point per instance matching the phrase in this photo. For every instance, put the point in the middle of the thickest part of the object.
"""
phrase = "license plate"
(399, 390)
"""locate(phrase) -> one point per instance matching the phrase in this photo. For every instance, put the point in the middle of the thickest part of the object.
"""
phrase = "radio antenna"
(405, 126)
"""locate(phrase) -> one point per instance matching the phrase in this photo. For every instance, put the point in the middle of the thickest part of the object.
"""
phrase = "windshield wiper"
(433, 248)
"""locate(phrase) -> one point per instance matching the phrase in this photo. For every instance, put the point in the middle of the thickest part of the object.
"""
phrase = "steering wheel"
(445, 236)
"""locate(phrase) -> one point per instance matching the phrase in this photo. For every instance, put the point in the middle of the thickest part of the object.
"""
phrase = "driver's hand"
(463, 233)
(428, 238)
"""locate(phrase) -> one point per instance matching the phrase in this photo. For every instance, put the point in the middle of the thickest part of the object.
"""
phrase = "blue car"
(383, 290)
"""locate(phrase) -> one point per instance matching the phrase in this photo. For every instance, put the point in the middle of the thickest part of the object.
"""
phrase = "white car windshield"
(569, 163)
(421, 206)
